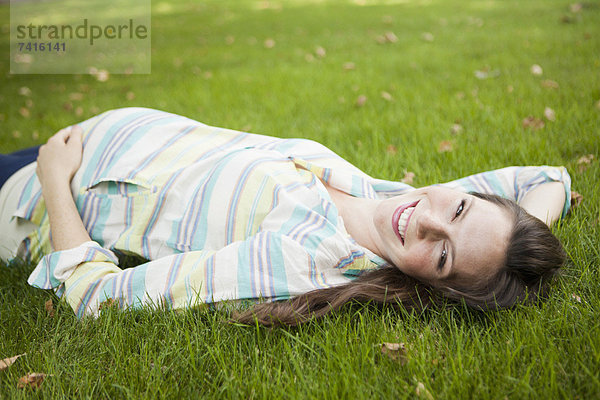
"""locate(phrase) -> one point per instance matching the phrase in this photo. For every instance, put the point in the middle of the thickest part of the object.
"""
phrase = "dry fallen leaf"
(445, 146)
(549, 114)
(108, 303)
(32, 380)
(49, 307)
(269, 43)
(408, 178)
(391, 150)
(7, 362)
(427, 36)
(309, 57)
(576, 298)
(16, 134)
(575, 7)
(25, 91)
(79, 111)
(24, 112)
(584, 162)
(533, 123)
(456, 129)
(423, 392)
(102, 75)
(390, 37)
(550, 84)
(510, 89)
(349, 66)
(75, 96)
(361, 100)
(130, 95)
(395, 351)
(536, 70)
(386, 96)
(320, 52)
(576, 199)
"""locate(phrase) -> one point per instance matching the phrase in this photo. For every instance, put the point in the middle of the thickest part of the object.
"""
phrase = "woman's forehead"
(482, 240)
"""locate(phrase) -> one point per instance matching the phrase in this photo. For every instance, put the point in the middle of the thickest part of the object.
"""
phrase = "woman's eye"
(460, 208)
(443, 259)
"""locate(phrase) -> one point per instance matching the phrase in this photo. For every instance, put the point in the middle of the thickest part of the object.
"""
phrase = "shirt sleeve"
(515, 182)
(267, 265)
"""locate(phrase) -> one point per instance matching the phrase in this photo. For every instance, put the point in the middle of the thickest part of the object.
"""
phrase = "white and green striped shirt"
(220, 214)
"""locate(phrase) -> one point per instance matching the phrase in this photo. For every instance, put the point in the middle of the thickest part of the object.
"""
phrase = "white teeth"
(402, 220)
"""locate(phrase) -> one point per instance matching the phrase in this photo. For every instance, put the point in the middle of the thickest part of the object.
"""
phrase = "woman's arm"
(58, 161)
(545, 201)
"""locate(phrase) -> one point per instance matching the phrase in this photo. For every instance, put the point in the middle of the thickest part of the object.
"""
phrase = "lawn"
(440, 88)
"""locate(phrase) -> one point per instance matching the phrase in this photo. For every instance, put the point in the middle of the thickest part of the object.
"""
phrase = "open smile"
(400, 219)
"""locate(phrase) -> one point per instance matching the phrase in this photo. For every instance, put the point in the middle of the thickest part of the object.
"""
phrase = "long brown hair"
(533, 256)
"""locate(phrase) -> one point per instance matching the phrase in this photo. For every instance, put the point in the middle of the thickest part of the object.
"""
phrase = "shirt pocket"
(122, 187)
(116, 212)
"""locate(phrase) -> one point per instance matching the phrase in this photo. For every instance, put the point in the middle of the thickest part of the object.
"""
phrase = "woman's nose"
(431, 227)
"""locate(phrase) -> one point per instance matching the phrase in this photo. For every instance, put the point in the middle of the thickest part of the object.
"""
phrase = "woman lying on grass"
(225, 215)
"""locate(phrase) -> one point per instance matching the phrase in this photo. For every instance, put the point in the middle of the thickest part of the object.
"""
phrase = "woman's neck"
(357, 214)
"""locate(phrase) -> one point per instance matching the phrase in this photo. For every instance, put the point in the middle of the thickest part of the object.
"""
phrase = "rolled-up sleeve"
(515, 182)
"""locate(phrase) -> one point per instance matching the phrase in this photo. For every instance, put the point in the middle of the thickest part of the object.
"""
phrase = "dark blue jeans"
(11, 163)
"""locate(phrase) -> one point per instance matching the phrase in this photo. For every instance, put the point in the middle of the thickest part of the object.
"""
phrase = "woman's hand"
(60, 157)
(58, 161)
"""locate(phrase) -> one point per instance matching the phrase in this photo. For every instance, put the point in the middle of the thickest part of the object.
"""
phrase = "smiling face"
(439, 235)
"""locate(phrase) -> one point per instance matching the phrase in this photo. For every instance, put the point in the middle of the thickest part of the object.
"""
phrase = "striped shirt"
(219, 214)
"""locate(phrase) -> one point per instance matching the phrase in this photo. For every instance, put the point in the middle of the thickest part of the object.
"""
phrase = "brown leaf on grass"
(102, 75)
(24, 112)
(349, 66)
(386, 96)
(269, 43)
(108, 303)
(25, 91)
(32, 380)
(49, 307)
(361, 100)
(320, 52)
(576, 199)
(533, 123)
(584, 162)
(130, 95)
(427, 36)
(79, 111)
(423, 392)
(549, 114)
(395, 351)
(7, 362)
(445, 146)
(75, 96)
(536, 70)
(456, 129)
(575, 7)
(390, 37)
(309, 57)
(408, 177)
(68, 106)
(549, 84)
(391, 150)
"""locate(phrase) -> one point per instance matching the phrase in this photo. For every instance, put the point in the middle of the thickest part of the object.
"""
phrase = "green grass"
(551, 351)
